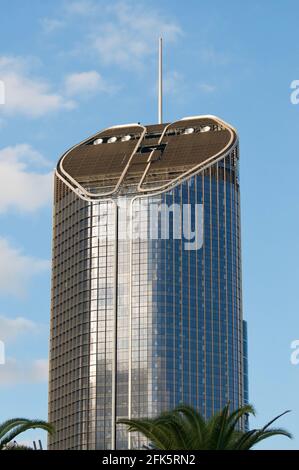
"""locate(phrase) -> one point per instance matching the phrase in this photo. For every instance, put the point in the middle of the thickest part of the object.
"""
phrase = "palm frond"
(15, 427)
(185, 429)
(274, 419)
(9, 424)
(147, 427)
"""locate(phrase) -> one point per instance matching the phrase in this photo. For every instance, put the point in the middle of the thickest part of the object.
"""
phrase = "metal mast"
(160, 83)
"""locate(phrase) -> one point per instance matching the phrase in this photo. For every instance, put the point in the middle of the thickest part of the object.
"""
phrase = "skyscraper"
(146, 279)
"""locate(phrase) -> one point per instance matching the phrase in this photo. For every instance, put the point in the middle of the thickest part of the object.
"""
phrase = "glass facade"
(139, 323)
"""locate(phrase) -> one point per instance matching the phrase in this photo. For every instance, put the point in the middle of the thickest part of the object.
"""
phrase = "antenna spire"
(160, 83)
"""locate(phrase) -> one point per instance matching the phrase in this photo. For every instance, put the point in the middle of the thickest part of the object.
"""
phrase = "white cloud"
(50, 25)
(131, 33)
(12, 328)
(15, 372)
(85, 83)
(16, 268)
(26, 95)
(23, 185)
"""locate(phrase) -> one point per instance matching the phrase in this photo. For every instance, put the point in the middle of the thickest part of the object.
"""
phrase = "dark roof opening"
(151, 148)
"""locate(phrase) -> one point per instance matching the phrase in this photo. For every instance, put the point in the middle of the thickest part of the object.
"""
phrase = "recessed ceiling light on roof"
(205, 129)
(112, 140)
(98, 141)
(125, 138)
(189, 130)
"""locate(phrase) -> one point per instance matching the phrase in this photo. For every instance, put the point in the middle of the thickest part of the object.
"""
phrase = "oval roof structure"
(153, 159)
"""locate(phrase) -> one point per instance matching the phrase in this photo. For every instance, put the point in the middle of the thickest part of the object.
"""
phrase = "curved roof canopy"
(148, 158)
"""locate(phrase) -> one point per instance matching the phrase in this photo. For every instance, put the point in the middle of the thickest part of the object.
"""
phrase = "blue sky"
(73, 67)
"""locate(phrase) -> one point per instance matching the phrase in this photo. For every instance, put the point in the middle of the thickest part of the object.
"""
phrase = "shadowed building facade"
(141, 323)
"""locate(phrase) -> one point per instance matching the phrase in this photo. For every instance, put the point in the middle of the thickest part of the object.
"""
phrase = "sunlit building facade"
(146, 280)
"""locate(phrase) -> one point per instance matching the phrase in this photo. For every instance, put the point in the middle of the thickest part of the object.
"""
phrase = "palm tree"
(11, 428)
(185, 429)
